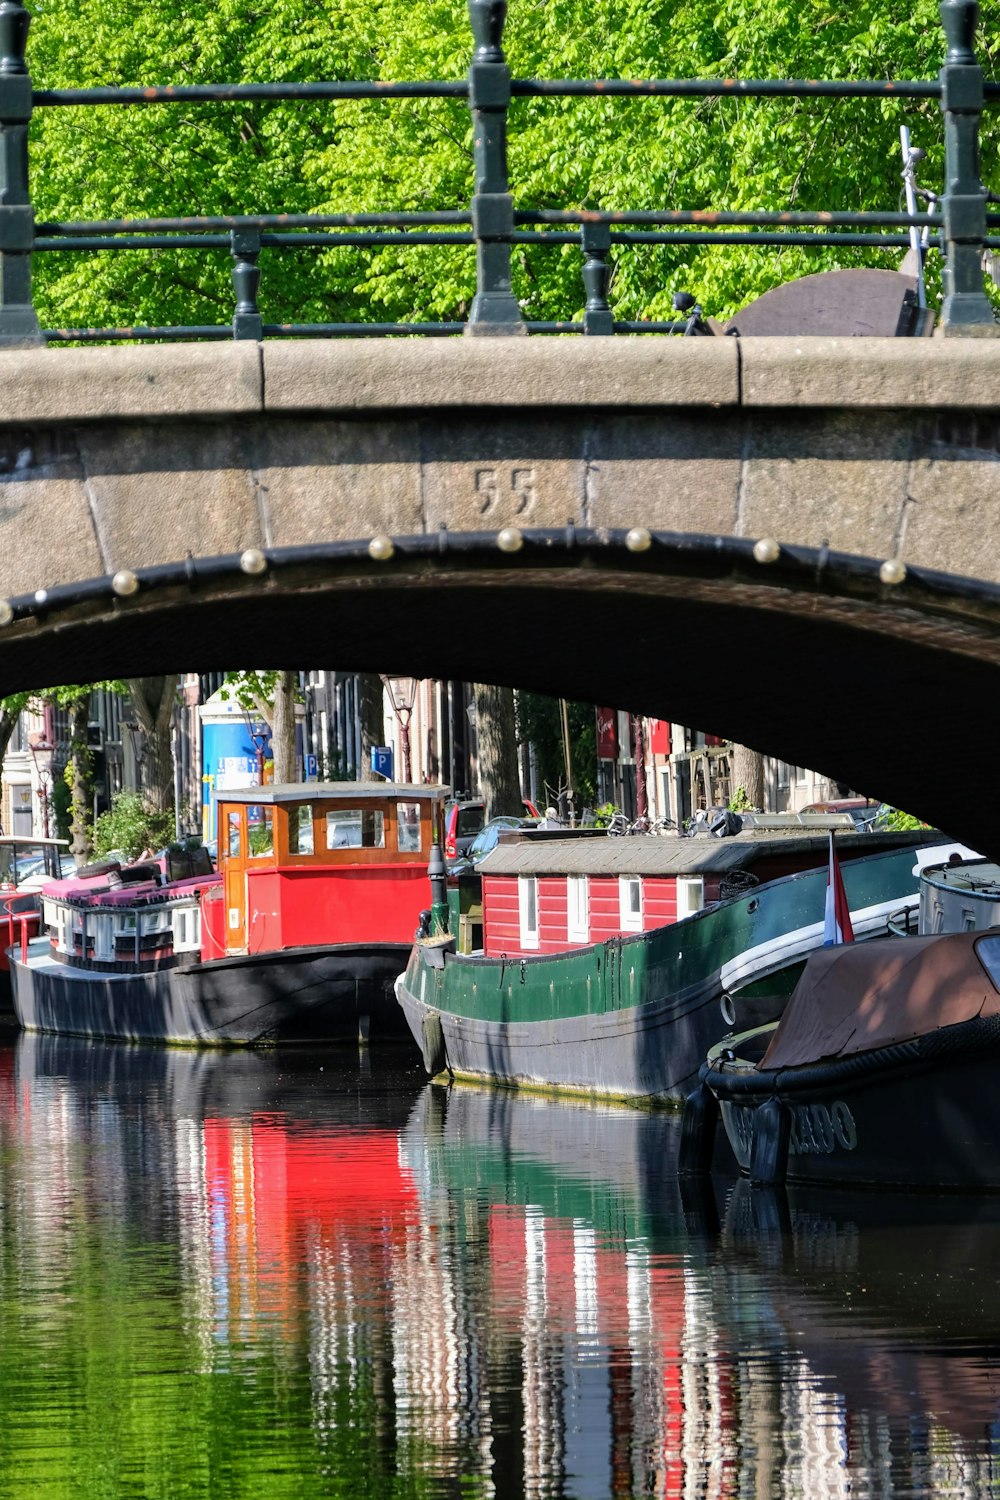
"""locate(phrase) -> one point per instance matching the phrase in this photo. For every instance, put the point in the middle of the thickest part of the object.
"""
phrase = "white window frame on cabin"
(690, 896)
(187, 929)
(527, 902)
(629, 920)
(577, 909)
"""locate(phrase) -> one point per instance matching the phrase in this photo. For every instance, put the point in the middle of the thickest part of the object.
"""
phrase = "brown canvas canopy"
(857, 996)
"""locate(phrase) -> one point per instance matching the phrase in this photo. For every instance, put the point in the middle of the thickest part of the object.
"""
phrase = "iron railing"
(491, 223)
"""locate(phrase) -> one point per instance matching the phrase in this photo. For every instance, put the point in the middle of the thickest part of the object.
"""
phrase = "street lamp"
(40, 744)
(402, 693)
(260, 735)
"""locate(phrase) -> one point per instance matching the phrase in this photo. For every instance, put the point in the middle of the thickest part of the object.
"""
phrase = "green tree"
(75, 699)
(651, 153)
(130, 827)
(271, 696)
(540, 722)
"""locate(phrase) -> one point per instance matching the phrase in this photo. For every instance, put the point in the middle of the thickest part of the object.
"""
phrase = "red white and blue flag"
(837, 920)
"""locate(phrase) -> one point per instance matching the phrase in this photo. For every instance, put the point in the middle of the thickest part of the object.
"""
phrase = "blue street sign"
(382, 761)
(312, 768)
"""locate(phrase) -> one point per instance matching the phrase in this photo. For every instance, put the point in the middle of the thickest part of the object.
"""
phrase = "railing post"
(494, 307)
(245, 250)
(18, 320)
(597, 314)
(966, 309)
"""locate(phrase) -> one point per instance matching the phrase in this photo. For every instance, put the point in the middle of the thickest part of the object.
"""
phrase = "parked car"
(485, 840)
(463, 820)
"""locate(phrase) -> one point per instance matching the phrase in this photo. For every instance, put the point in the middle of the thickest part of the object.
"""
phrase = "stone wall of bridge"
(128, 457)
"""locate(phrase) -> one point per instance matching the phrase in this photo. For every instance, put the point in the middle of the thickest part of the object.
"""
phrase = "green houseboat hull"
(633, 1018)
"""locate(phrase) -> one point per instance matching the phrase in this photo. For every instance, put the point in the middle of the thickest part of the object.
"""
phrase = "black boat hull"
(330, 994)
(917, 1123)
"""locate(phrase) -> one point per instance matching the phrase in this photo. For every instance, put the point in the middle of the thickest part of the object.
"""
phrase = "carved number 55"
(489, 486)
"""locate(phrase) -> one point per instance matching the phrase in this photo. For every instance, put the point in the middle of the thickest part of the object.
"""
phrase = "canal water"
(303, 1275)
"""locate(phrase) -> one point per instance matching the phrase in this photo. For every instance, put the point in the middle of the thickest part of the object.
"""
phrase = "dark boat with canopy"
(881, 1070)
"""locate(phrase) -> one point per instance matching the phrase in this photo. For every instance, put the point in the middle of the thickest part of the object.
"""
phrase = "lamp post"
(137, 745)
(402, 694)
(259, 734)
(40, 744)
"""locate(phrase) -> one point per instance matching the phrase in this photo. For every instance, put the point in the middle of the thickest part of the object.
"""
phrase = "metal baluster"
(18, 320)
(597, 314)
(245, 250)
(494, 307)
(966, 308)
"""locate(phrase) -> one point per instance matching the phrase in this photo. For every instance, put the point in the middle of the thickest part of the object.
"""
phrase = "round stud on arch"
(766, 550)
(892, 571)
(380, 548)
(253, 561)
(510, 539)
(638, 539)
(125, 583)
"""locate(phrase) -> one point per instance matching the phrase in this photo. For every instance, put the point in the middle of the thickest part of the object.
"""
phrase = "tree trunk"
(283, 728)
(81, 780)
(747, 779)
(372, 719)
(153, 701)
(497, 737)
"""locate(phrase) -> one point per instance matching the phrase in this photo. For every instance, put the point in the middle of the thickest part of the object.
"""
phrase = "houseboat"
(296, 937)
(26, 864)
(881, 1071)
(610, 965)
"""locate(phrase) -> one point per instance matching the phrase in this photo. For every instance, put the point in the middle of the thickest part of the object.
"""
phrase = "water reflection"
(305, 1274)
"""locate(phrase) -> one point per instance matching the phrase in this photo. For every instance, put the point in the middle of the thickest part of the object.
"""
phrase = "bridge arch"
(785, 542)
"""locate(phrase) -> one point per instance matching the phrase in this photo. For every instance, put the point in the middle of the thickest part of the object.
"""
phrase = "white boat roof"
(980, 877)
(26, 841)
(331, 791)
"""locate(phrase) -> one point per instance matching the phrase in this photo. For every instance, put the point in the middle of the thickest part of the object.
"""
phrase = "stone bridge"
(791, 542)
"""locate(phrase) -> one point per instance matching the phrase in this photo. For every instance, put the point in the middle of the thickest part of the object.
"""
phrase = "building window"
(527, 905)
(577, 909)
(690, 896)
(630, 903)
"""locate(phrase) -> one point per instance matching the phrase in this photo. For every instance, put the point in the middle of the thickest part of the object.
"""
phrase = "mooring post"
(596, 244)
(245, 250)
(966, 309)
(18, 320)
(494, 307)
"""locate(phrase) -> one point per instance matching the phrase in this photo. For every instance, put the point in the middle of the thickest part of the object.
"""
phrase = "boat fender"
(772, 1130)
(698, 1127)
(99, 867)
(433, 1049)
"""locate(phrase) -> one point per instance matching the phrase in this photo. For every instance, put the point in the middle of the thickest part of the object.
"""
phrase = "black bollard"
(437, 874)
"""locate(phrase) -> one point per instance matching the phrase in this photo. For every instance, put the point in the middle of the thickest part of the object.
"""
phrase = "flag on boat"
(837, 921)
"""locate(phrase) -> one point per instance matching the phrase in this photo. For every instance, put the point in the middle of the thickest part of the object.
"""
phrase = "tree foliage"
(416, 154)
(540, 722)
(130, 827)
